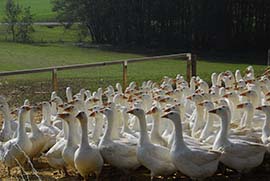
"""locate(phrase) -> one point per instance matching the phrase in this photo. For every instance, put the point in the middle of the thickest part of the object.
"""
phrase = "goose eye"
(171, 113)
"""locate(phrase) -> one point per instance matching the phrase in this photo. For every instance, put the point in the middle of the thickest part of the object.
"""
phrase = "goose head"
(249, 94)
(197, 98)
(71, 109)
(247, 106)
(214, 78)
(203, 86)
(67, 117)
(4, 108)
(136, 112)
(23, 112)
(238, 75)
(222, 111)
(34, 111)
(175, 108)
(87, 94)
(172, 115)
(221, 102)
(208, 105)
(107, 112)
(82, 117)
(264, 108)
(57, 100)
(232, 96)
(154, 110)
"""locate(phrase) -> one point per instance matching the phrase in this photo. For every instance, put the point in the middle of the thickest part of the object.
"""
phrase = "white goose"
(6, 132)
(87, 159)
(38, 139)
(209, 132)
(237, 154)
(197, 163)
(155, 136)
(266, 126)
(70, 146)
(154, 157)
(17, 149)
(117, 154)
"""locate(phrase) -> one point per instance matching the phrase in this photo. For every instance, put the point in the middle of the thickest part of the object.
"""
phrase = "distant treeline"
(196, 24)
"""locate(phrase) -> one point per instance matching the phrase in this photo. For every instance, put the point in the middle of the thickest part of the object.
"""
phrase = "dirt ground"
(45, 172)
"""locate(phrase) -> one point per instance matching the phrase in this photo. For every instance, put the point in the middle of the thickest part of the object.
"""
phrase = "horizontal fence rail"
(190, 58)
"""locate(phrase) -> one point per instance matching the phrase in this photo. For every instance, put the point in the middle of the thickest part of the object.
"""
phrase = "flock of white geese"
(166, 127)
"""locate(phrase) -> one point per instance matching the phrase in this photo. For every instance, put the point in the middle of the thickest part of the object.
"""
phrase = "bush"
(19, 21)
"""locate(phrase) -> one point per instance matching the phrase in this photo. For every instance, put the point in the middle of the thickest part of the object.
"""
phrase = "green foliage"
(187, 23)
(25, 26)
(13, 11)
(20, 21)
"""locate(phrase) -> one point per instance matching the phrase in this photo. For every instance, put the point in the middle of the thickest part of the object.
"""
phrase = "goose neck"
(144, 138)
(32, 123)
(249, 118)
(156, 123)
(7, 119)
(21, 128)
(266, 124)
(71, 133)
(222, 136)
(109, 128)
(178, 143)
(84, 137)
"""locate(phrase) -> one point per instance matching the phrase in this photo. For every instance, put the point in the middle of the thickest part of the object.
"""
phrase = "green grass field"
(42, 9)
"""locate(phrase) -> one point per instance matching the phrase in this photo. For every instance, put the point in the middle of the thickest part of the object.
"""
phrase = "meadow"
(42, 9)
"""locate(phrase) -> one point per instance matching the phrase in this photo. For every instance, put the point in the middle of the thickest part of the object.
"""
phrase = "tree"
(19, 21)
(12, 16)
(25, 26)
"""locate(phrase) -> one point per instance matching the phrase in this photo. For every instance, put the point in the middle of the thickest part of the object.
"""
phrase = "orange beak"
(248, 81)
(240, 106)
(149, 112)
(226, 95)
(93, 114)
(243, 94)
(63, 115)
(164, 116)
(27, 108)
(162, 100)
(267, 94)
(189, 97)
(131, 111)
(71, 102)
(200, 104)
(259, 108)
(69, 108)
(213, 111)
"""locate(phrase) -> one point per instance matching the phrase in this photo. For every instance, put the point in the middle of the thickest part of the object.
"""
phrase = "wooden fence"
(190, 71)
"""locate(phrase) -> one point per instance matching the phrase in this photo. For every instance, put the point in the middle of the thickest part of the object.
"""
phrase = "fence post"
(124, 75)
(193, 65)
(54, 80)
(268, 60)
(188, 72)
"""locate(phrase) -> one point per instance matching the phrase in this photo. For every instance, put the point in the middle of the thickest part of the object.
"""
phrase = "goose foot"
(8, 172)
(65, 172)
